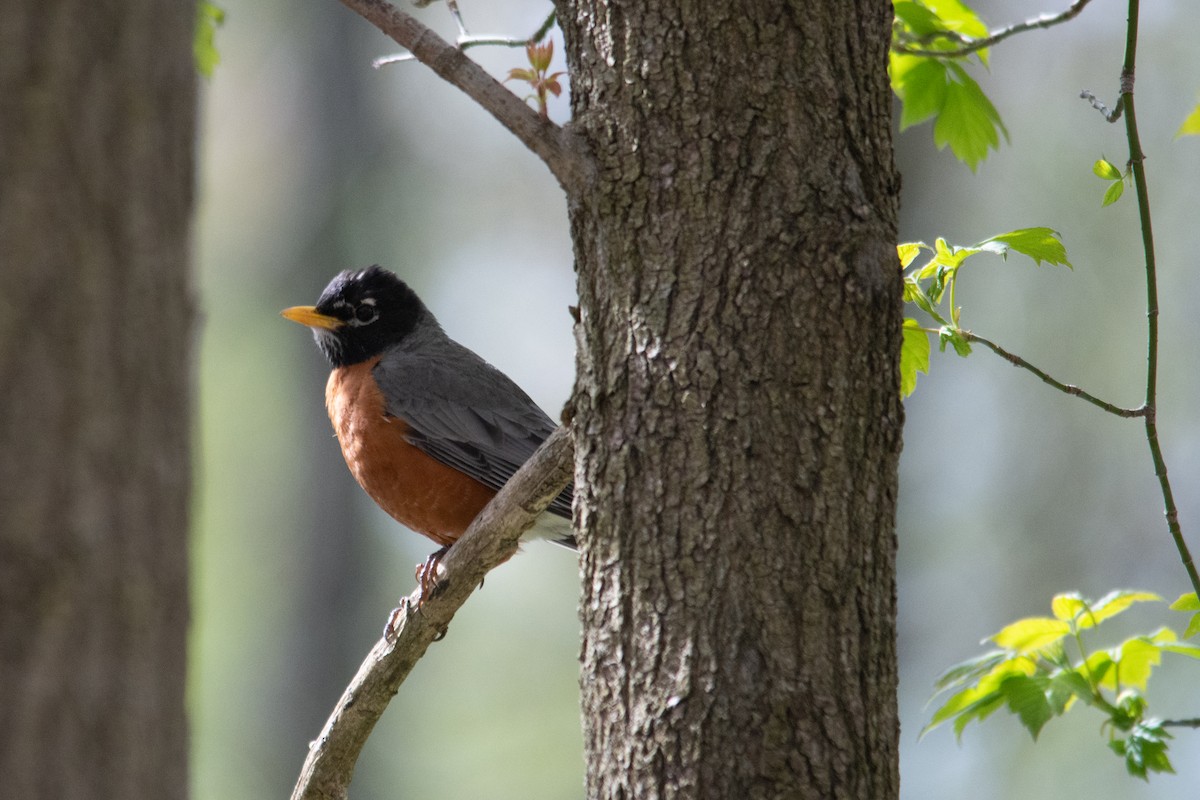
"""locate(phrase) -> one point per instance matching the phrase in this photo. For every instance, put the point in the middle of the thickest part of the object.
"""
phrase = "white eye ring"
(365, 313)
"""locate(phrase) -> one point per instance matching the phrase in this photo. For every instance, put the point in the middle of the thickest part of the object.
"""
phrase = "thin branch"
(491, 539)
(1098, 104)
(971, 45)
(1137, 163)
(545, 27)
(1067, 388)
(558, 148)
(466, 42)
(458, 20)
(1194, 722)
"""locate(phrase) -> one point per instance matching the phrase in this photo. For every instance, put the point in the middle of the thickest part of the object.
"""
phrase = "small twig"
(491, 539)
(458, 20)
(545, 27)
(452, 6)
(1111, 116)
(1194, 722)
(1066, 388)
(971, 45)
(466, 42)
(558, 148)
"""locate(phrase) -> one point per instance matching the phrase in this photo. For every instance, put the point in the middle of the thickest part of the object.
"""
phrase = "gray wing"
(464, 412)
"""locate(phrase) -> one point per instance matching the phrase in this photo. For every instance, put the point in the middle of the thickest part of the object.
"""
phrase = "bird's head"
(360, 314)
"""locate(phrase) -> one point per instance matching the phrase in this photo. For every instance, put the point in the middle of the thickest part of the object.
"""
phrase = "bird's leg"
(427, 575)
(391, 628)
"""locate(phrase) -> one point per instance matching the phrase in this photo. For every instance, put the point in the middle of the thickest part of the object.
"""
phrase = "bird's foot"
(391, 628)
(429, 581)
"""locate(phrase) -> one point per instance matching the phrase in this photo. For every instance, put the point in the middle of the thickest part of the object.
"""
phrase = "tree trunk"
(97, 107)
(738, 409)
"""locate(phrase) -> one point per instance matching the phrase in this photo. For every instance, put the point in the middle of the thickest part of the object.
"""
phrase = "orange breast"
(414, 488)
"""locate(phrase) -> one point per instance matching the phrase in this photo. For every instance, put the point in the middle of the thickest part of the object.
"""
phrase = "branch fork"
(561, 151)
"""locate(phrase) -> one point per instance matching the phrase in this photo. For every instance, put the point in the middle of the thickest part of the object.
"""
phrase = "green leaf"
(981, 699)
(1112, 604)
(1189, 650)
(209, 17)
(913, 293)
(1067, 606)
(971, 669)
(980, 710)
(967, 705)
(958, 17)
(1066, 686)
(920, 83)
(1131, 707)
(919, 19)
(968, 122)
(1113, 193)
(1186, 602)
(1026, 697)
(1145, 750)
(951, 256)
(1040, 244)
(1106, 170)
(1031, 634)
(914, 356)
(1136, 658)
(908, 251)
(937, 288)
(1189, 602)
(1191, 125)
(1097, 669)
(950, 335)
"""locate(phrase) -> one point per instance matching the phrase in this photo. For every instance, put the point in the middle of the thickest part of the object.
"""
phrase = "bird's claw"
(429, 583)
(391, 628)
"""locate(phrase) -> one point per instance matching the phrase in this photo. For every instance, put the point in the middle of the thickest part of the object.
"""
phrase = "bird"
(429, 429)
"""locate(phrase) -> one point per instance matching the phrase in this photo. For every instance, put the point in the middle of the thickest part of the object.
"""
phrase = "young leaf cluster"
(1043, 667)
(1107, 171)
(929, 75)
(538, 75)
(933, 283)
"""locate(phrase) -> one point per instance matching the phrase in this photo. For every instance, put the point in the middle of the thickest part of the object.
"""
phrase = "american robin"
(429, 429)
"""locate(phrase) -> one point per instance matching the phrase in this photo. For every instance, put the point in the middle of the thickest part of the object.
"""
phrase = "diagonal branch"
(1068, 388)
(971, 45)
(491, 539)
(561, 151)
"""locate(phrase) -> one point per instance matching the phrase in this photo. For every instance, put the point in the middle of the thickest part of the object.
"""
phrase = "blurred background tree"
(97, 136)
(313, 162)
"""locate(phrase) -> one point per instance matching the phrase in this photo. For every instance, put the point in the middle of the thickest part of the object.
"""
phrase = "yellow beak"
(308, 315)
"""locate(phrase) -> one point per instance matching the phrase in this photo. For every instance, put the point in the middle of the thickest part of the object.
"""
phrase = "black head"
(360, 314)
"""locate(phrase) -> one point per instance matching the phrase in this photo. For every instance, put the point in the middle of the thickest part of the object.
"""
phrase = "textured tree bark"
(738, 413)
(97, 111)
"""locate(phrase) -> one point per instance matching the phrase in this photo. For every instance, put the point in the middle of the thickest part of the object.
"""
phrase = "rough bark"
(97, 109)
(738, 415)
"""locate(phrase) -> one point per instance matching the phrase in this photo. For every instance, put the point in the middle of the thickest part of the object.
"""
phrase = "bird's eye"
(365, 314)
